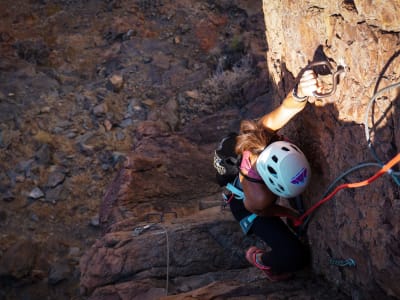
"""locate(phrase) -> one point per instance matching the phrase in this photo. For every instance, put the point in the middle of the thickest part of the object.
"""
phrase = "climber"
(273, 167)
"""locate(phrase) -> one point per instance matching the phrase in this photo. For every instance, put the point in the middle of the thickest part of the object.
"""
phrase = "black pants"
(288, 253)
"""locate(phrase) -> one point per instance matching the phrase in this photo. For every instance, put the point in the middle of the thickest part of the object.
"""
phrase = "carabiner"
(335, 77)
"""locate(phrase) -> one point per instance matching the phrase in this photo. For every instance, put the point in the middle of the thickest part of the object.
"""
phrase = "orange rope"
(382, 171)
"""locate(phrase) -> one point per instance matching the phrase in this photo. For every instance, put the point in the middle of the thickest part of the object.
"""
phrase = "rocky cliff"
(362, 224)
(109, 115)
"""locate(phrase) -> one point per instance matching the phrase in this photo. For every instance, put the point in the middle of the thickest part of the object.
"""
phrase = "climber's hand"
(322, 89)
(308, 84)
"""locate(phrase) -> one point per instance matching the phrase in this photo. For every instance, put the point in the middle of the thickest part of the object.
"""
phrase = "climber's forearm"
(280, 116)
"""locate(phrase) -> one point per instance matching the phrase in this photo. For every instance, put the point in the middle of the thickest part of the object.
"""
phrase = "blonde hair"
(253, 137)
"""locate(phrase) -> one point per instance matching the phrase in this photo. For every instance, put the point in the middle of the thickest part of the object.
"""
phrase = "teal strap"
(237, 192)
(251, 217)
(247, 222)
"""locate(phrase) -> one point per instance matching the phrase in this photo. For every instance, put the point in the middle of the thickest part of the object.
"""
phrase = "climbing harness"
(227, 198)
(247, 222)
(235, 191)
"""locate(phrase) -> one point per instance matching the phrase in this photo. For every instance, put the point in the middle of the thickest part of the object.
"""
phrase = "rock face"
(197, 257)
(362, 224)
(109, 115)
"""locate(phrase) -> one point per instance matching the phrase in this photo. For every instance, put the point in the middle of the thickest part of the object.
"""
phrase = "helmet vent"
(272, 170)
(285, 149)
(274, 158)
(281, 188)
(295, 148)
(272, 182)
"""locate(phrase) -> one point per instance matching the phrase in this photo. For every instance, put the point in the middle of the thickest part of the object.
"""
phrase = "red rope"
(383, 170)
(230, 199)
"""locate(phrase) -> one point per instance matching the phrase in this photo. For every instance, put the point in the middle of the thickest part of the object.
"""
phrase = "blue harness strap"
(236, 190)
(247, 222)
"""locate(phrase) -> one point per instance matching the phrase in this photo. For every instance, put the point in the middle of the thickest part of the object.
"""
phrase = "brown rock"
(206, 35)
(124, 253)
(117, 82)
(164, 167)
(332, 135)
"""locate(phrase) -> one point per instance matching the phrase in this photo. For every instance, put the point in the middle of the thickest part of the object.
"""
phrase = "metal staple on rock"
(139, 230)
(349, 262)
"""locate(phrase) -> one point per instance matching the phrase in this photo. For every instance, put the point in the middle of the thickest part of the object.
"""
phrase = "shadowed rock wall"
(362, 224)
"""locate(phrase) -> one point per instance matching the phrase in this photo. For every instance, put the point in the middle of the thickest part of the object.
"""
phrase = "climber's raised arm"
(294, 102)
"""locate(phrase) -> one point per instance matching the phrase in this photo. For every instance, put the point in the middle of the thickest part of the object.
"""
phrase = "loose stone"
(36, 193)
(117, 82)
(55, 178)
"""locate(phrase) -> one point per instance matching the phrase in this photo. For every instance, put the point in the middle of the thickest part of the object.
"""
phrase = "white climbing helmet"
(284, 169)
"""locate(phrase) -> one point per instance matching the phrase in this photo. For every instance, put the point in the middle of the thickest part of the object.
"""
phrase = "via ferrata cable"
(395, 175)
(385, 169)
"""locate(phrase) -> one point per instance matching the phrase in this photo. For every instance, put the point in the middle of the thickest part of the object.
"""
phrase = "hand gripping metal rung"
(335, 77)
